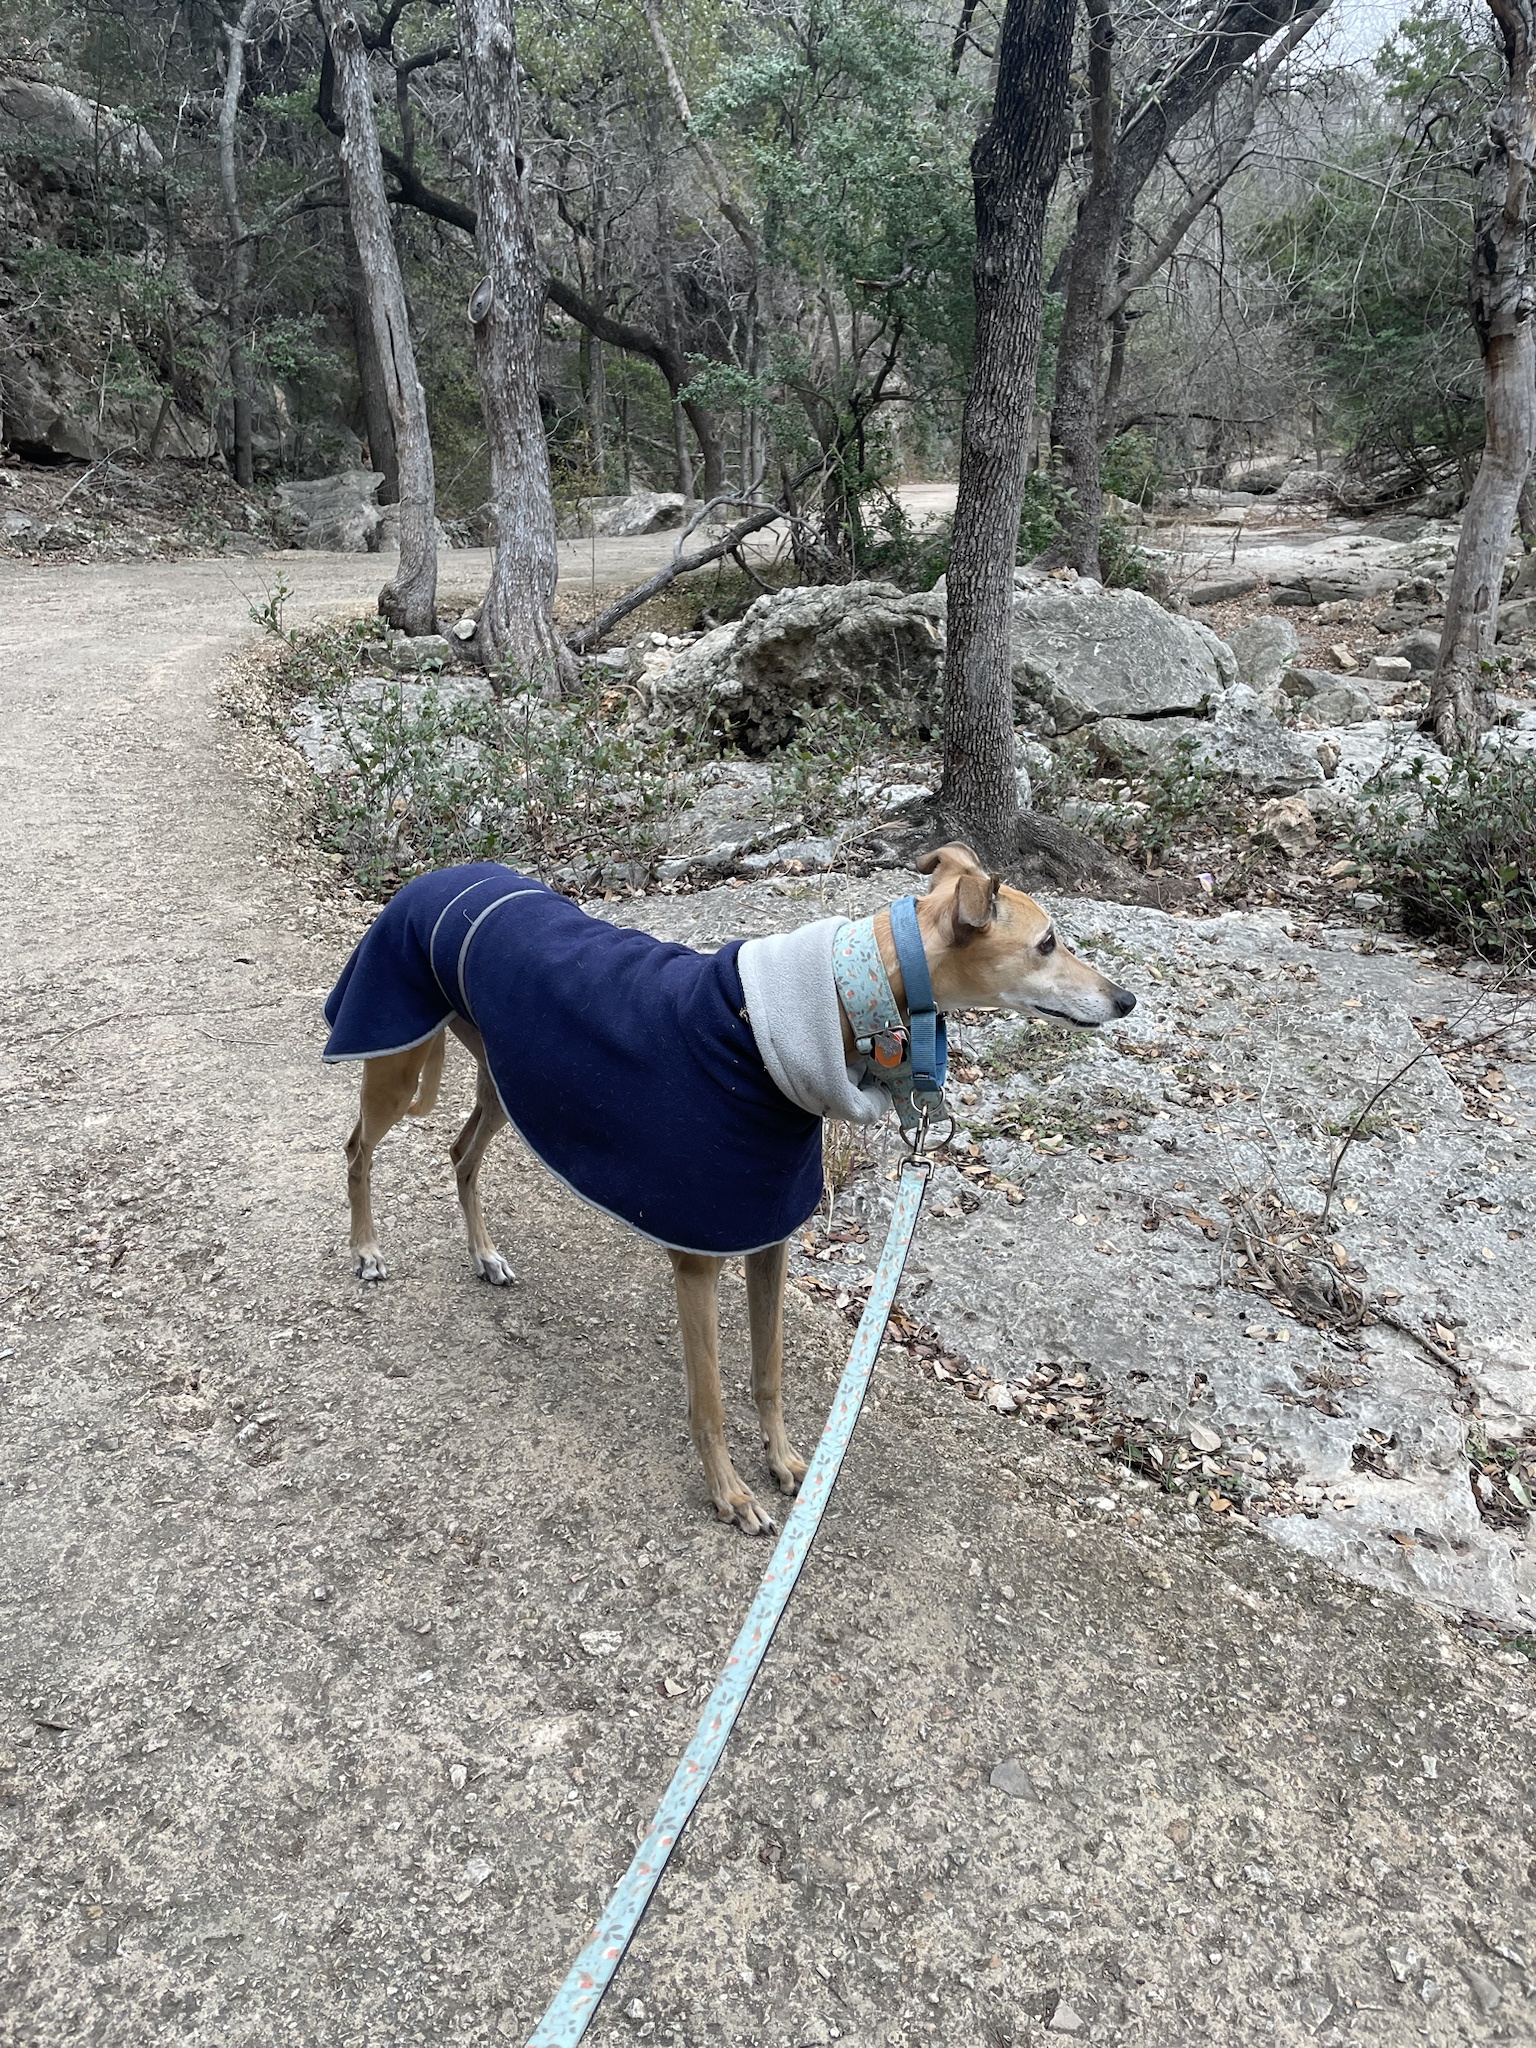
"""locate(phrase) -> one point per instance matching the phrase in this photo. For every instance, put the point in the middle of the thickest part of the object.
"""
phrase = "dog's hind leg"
(466, 1152)
(698, 1311)
(389, 1089)
(765, 1311)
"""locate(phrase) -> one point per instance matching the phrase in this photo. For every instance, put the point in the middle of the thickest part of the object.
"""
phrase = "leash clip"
(915, 1136)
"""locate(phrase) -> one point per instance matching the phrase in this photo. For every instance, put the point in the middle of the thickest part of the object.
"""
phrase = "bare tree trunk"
(597, 368)
(1461, 701)
(516, 628)
(240, 248)
(1013, 169)
(1217, 42)
(377, 424)
(409, 600)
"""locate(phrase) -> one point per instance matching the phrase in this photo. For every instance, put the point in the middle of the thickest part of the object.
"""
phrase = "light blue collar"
(908, 1059)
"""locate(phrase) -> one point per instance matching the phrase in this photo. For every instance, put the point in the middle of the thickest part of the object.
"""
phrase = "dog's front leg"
(698, 1311)
(765, 1310)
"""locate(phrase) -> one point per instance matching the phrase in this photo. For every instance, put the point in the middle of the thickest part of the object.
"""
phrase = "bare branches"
(596, 630)
(729, 207)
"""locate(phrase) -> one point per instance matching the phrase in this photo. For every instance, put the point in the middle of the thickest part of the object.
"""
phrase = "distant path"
(346, 1639)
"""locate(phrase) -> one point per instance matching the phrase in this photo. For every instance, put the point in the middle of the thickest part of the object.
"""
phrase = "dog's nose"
(1125, 1002)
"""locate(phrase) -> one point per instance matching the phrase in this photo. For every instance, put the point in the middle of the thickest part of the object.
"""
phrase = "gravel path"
(345, 1640)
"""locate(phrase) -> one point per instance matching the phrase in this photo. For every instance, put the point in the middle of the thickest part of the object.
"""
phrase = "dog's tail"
(430, 1079)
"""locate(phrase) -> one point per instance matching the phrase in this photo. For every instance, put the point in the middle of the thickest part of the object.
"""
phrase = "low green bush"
(1047, 502)
(1457, 850)
(1154, 812)
(430, 774)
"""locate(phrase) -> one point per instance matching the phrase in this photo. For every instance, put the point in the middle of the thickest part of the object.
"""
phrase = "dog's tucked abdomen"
(624, 1062)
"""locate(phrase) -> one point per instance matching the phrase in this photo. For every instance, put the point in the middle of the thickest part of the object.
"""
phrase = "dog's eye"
(1047, 944)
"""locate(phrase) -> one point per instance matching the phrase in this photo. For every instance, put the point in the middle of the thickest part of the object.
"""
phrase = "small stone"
(1487, 1994)
(1345, 657)
(467, 627)
(1011, 1777)
(1421, 651)
(896, 797)
(1064, 2020)
(477, 1870)
(1388, 668)
(413, 655)
(458, 1777)
(1286, 822)
(319, 1593)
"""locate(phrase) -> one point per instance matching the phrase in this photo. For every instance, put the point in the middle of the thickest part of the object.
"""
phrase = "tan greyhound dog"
(987, 947)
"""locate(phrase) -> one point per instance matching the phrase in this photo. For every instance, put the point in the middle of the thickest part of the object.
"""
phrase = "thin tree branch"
(588, 636)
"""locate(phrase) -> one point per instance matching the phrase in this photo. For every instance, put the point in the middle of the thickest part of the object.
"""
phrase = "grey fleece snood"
(792, 1003)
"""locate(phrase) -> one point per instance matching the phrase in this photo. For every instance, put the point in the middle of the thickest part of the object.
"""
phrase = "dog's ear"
(975, 905)
(952, 856)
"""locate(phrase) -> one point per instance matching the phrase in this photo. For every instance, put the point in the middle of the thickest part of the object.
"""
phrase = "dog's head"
(992, 947)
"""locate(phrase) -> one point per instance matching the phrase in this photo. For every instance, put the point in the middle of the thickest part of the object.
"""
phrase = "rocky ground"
(1112, 1243)
(348, 1639)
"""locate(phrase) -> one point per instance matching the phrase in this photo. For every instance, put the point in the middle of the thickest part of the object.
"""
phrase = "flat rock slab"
(1248, 1055)
(350, 1637)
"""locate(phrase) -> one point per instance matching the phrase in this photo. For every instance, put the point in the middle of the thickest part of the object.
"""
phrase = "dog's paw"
(370, 1266)
(493, 1267)
(748, 1515)
(788, 1471)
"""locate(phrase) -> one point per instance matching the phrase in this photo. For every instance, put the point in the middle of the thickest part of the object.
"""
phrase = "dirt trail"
(346, 1640)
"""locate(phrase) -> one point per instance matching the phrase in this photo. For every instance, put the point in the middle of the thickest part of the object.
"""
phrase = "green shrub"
(899, 549)
(1155, 812)
(833, 743)
(1129, 467)
(430, 775)
(1458, 851)
(1047, 502)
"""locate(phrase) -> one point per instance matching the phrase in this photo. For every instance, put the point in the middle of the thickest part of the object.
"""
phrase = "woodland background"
(821, 310)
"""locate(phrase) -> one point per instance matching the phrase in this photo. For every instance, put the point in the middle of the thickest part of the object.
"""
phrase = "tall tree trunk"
(1013, 169)
(1461, 702)
(240, 248)
(516, 629)
(1217, 42)
(377, 424)
(409, 599)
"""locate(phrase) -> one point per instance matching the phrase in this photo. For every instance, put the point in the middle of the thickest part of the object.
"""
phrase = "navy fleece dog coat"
(626, 1063)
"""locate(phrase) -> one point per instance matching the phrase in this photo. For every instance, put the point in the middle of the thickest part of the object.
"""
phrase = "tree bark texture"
(1461, 701)
(1013, 168)
(409, 600)
(377, 424)
(516, 630)
(1122, 157)
(240, 248)
(413, 190)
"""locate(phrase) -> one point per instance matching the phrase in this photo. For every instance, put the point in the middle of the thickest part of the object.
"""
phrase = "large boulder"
(1081, 652)
(386, 539)
(1260, 477)
(47, 409)
(48, 118)
(861, 644)
(1264, 647)
(1242, 741)
(338, 514)
(625, 517)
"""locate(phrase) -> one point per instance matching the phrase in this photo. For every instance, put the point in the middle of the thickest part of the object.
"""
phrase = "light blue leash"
(574, 2004)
